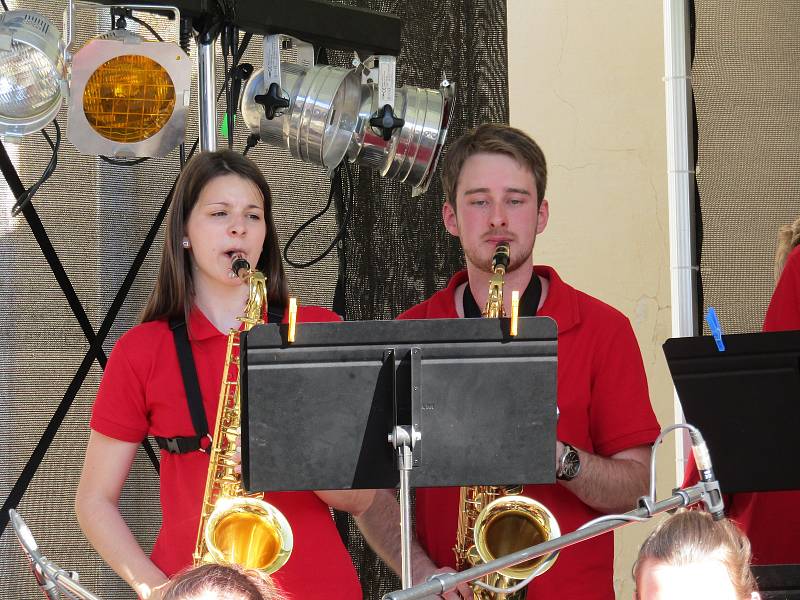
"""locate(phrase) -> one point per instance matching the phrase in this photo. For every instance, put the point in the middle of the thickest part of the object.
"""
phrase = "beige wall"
(586, 82)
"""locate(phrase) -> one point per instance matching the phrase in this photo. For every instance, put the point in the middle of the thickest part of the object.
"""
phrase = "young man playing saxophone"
(494, 179)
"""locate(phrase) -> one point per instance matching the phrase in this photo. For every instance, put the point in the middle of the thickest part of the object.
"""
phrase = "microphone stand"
(51, 578)
(707, 490)
(445, 582)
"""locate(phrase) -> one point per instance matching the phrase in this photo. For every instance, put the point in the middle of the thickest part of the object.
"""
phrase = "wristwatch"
(569, 465)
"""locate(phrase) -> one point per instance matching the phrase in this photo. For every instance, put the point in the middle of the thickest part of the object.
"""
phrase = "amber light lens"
(129, 98)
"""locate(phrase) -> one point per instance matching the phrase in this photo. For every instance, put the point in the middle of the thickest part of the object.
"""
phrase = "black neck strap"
(189, 374)
(528, 304)
(194, 400)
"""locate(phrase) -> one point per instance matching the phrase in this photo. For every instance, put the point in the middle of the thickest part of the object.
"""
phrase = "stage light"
(128, 96)
(322, 115)
(328, 120)
(412, 152)
(32, 72)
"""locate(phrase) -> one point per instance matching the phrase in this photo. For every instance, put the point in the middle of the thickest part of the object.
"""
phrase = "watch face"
(571, 465)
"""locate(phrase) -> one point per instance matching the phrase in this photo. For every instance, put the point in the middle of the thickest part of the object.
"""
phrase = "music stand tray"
(317, 412)
(778, 582)
(746, 402)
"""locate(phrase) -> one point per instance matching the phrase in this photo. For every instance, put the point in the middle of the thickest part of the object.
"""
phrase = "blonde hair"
(688, 537)
(225, 582)
(788, 238)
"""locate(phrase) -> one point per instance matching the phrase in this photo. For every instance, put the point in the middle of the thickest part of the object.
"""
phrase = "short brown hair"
(692, 536)
(173, 294)
(494, 138)
(226, 582)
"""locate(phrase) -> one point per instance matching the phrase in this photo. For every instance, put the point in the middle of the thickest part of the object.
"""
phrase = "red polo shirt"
(783, 313)
(770, 519)
(142, 394)
(604, 409)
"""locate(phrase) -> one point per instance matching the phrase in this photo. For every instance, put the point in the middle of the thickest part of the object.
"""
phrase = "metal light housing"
(328, 120)
(128, 96)
(412, 153)
(322, 116)
(32, 72)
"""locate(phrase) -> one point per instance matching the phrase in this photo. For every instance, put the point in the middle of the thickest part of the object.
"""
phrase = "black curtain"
(397, 251)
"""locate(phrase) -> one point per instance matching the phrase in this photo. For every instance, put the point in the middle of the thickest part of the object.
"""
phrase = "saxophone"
(496, 520)
(237, 527)
(494, 302)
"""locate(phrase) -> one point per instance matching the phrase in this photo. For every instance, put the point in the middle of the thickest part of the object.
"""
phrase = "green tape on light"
(223, 129)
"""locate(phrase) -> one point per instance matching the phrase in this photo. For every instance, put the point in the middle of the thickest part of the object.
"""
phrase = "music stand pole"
(403, 438)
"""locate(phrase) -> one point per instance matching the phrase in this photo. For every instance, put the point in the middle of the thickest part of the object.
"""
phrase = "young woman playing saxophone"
(221, 209)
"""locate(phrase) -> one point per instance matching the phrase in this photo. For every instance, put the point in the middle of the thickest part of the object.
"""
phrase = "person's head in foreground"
(220, 582)
(690, 556)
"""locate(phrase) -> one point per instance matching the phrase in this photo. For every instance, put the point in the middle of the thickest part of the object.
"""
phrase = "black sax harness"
(202, 439)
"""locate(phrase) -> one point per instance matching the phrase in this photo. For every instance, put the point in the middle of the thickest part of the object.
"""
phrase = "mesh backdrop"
(97, 215)
(747, 95)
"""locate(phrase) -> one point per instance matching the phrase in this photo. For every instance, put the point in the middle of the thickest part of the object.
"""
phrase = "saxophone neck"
(494, 302)
(257, 303)
(257, 298)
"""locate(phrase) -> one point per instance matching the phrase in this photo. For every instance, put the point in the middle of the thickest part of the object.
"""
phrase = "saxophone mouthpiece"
(502, 256)
(240, 267)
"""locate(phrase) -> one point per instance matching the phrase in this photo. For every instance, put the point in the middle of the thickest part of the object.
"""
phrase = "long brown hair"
(173, 295)
(692, 536)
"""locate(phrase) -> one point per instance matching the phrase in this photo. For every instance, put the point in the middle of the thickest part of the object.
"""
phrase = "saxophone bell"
(496, 521)
(248, 532)
(509, 524)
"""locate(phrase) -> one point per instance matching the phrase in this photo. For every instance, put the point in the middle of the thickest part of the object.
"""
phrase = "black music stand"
(778, 582)
(460, 400)
(746, 401)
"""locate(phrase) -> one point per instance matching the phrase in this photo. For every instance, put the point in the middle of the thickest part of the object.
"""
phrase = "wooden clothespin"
(514, 312)
(292, 319)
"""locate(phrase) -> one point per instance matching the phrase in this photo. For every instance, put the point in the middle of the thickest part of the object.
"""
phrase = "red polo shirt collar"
(560, 304)
(200, 328)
